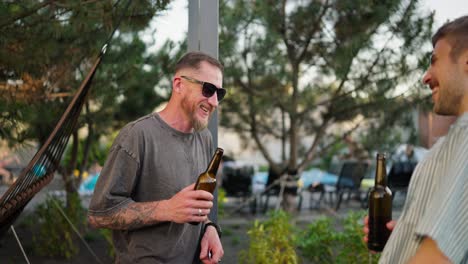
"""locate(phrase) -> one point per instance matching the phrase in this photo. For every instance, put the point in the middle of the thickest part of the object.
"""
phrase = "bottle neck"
(214, 163)
(381, 173)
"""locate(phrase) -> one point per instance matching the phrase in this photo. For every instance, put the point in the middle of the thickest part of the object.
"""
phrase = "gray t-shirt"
(151, 161)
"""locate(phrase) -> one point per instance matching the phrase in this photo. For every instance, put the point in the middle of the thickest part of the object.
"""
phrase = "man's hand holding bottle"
(390, 226)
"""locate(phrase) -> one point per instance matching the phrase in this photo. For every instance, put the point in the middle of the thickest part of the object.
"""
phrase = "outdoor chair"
(273, 188)
(400, 175)
(314, 189)
(349, 182)
(237, 181)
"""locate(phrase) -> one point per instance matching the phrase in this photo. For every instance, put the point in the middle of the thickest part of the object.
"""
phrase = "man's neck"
(176, 119)
(464, 105)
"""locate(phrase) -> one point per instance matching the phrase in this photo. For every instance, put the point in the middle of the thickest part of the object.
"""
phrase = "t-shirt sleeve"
(116, 182)
(446, 219)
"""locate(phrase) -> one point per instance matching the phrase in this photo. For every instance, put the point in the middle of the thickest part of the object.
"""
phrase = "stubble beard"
(450, 99)
(191, 110)
(198, 125)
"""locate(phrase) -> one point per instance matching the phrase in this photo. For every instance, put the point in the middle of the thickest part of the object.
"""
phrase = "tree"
(295, 69)
(47, 49)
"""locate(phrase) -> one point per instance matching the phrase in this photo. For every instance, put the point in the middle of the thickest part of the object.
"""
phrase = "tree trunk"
(87, 145)
(67, 175)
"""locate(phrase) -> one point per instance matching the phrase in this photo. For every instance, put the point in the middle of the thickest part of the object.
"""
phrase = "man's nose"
(427, 77)
(213, 100)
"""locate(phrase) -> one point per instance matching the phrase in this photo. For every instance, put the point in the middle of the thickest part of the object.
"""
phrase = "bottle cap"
(381, 155)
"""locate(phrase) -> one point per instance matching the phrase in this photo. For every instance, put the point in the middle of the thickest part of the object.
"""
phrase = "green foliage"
(318, 240)
(263, 168)
(107, 234)
(221, 201)
(334, 150)
(353, 249)
(323, 242)
(227, 232)
(54, 236)
(235, 240)
(296, 81)
(326, 240)
(97, 153)
(272, 241)
(71, 34)
(45, 76)
(385, 135)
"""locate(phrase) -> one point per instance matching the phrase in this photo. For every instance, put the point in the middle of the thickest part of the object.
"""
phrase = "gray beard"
(191, 109)
(198, 125)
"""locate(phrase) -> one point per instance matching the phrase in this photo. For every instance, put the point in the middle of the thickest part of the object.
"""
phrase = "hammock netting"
(40, 170)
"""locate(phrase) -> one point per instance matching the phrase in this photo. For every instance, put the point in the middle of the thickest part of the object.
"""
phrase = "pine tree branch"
(26, 13)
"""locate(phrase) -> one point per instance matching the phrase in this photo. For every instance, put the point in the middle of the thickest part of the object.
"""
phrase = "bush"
(353, 249)
(221, 201)
(322, 242)
(271, 242)
(318, 240)
(107, 234)
(326, 240)
(52, 234)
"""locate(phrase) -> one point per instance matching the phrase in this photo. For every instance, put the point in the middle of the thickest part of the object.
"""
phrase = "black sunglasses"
(208, 89)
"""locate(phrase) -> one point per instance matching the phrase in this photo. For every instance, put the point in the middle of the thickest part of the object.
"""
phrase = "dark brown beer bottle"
(207, 180)
(380, 208)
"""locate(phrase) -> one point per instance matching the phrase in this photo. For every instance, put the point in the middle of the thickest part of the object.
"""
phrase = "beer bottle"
(380, 208)
(207, 180)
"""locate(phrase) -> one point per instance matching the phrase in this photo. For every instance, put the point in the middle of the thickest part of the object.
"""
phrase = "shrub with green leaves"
(221, 201)
(317, 242)
(52, 234)
(353, 249)
(327, 240)
(107, 234)
(272, 241)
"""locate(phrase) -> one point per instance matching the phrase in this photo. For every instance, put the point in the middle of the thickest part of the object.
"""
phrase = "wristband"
(218, 229)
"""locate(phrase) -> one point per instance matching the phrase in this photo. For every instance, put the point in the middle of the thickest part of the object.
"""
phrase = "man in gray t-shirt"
(145, 192)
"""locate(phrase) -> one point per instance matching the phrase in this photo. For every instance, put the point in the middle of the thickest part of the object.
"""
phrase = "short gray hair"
(193, 60)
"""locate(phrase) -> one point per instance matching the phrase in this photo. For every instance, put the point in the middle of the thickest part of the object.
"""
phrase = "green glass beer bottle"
(380, 208)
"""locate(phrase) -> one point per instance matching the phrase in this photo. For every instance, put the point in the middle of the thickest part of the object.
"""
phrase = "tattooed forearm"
(133, 216)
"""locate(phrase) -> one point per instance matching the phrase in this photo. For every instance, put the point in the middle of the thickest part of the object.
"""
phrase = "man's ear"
(176, 85)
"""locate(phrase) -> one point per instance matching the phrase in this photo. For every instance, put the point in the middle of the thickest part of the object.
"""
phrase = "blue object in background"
(316, 176)
(260, 177)
(39, 170)
(309, 177)
(88, 185)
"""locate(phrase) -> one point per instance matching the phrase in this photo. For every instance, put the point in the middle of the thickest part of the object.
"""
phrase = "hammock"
(40, 170)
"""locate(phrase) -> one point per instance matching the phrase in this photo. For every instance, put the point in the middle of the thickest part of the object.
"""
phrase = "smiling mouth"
(205, 109)
(434, 92)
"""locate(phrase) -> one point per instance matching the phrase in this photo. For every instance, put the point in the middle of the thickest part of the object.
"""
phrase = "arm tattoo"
(133, 216)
